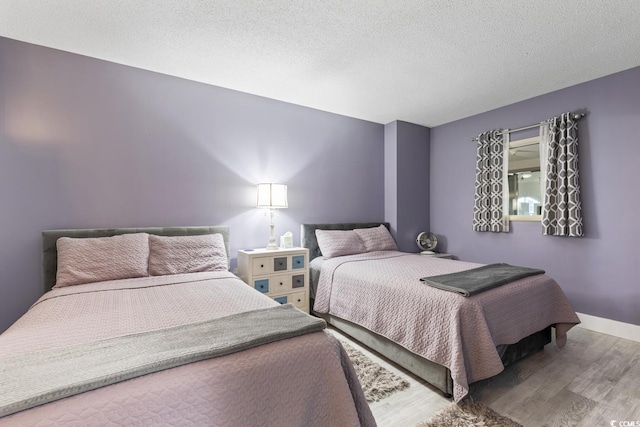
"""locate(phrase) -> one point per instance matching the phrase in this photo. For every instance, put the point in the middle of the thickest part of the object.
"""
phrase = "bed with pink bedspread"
(306, 380)
(381, 292)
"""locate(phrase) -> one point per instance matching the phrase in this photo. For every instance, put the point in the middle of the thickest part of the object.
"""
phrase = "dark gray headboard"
(308, 233)
(50, 237)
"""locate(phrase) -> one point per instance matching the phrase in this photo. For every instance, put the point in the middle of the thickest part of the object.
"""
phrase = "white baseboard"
(611, 327)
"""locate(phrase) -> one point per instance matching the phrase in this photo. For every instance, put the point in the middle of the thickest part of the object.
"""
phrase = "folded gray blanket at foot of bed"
(470, 282)
(33, 379)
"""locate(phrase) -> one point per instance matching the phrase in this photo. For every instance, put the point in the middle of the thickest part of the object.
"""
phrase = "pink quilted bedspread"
(382, 292)
(307, 380)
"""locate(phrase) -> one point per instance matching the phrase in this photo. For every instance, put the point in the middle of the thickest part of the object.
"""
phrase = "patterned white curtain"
(561, 209)
(492, 188)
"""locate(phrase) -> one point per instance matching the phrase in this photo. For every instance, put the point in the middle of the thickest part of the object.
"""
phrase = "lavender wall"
(600, 273)
(406, 191)
(88, 143)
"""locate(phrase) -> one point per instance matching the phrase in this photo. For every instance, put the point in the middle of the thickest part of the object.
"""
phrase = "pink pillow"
(334, 243)
(186, 254)
(95, 259)
(376, 239)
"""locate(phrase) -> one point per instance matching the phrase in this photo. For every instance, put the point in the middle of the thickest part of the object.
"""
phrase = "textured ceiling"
(427, 62)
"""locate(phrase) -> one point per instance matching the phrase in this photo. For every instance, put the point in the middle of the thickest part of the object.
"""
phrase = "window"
(525, 180)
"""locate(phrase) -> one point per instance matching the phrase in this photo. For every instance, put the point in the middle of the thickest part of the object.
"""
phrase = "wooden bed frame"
(437, 375)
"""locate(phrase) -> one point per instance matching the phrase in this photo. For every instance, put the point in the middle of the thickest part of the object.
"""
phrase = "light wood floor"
(593, 380)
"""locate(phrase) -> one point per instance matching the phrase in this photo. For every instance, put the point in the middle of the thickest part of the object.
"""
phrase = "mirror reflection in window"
(525, 180)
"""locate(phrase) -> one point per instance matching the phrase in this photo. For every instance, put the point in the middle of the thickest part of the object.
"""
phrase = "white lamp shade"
(272, 195)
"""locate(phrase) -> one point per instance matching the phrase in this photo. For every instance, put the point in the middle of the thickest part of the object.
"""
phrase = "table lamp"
(272, 196)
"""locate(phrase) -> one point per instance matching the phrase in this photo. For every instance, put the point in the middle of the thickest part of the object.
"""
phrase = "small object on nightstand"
(286, 240)
(281, 274)
(427, 241)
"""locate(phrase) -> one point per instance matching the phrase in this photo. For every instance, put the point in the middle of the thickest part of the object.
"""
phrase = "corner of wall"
(407, 148)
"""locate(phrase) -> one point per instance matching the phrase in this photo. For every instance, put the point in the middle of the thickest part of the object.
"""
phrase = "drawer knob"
(281, 283)
(299, 300)
(261, 265)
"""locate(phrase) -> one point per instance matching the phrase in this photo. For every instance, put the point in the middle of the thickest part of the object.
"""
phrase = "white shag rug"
(469, 414)
(377, 382)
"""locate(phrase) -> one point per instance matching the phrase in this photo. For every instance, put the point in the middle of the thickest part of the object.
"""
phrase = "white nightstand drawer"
(299, 299)
(296, 298)
(279, 284)
(262, 266)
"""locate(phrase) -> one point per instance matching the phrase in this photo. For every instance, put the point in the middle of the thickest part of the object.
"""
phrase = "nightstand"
(280, 274)
(438, 255)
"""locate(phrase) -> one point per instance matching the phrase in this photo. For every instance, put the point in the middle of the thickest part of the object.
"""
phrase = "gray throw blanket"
(470, 282)
(33, 379)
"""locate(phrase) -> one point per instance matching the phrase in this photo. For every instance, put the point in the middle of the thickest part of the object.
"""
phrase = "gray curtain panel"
(491, 185)
(561, 210)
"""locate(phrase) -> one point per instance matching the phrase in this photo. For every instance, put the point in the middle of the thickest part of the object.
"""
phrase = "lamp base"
(272, 246)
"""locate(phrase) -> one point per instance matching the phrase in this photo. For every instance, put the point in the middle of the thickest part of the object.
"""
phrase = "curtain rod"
(574, 116)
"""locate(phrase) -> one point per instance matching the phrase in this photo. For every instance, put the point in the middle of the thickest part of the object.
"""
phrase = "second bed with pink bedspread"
(382, 292)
